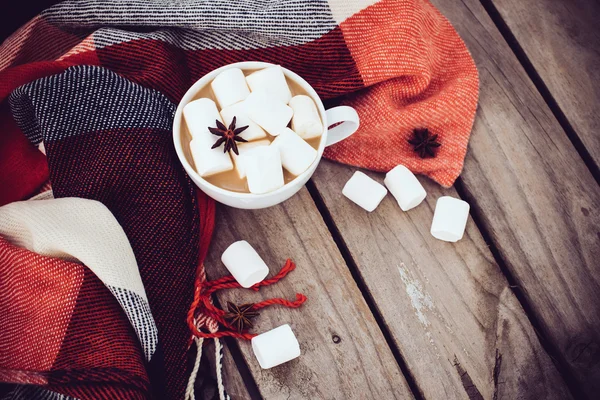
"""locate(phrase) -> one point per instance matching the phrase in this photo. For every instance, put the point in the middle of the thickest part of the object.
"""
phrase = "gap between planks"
(351, 264)
(541, 87)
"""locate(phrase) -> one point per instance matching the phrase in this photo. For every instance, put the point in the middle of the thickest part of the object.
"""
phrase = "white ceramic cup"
(345, 115)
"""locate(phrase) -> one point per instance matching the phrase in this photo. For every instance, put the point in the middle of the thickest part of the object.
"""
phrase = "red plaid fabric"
(64, 330)
(96, 83)
(111, 142)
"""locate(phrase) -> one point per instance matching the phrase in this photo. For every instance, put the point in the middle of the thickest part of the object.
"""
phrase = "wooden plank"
(562, 41)
(344, 354)
(448, 307)
(535, 197)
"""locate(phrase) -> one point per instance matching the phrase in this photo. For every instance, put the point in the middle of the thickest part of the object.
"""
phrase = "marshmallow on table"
(405, 187)
(296, 154)
(242, 149)
(272, 80)
(268, 112)
(200, 115)
(450, 219)
(209, 161)
(306, 121)
(230, 87)
(364, 191)
(275, 347)
(244, 263)
(264, 172)
(238, 110)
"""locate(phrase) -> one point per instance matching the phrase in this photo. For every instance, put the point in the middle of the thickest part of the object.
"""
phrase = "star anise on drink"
(228, 136)
(424, 143)
(239, 317)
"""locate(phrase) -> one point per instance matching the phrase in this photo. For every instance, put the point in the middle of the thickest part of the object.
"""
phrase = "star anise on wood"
(239, 317)
(228, 136)
(424, 143)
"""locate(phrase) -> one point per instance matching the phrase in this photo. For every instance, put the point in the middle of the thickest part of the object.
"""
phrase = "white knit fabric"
(47, 195)
(85, 231)
(343, 9)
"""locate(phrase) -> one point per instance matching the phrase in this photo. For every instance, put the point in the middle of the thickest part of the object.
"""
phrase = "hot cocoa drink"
(251, 131)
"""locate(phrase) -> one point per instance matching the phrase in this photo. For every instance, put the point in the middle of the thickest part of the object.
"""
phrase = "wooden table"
(513, 310)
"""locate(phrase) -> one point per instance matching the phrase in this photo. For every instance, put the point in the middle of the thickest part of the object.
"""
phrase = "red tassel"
(203, 304)
(300, 299)
(202, 309)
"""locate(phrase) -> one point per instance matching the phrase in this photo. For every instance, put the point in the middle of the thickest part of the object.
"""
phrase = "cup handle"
(349, 123)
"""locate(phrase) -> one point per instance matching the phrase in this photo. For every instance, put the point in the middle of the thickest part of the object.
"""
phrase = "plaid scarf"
(93, 85)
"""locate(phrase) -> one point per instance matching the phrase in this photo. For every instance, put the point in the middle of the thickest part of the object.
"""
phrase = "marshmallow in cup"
(344, 114)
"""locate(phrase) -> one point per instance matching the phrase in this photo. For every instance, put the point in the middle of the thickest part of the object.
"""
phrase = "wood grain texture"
(535, 197)
(344, 354)
(458, 325)
(562, 41)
